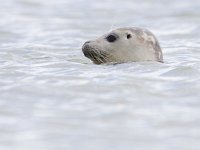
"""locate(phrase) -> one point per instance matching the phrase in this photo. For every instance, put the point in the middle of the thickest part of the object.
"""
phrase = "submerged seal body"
(124, 45)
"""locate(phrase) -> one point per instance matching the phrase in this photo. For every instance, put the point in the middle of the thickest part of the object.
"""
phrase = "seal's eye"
(111, 38)
(128, 36)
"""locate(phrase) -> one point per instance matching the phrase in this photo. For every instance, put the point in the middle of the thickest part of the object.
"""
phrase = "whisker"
(102, 56)
(105, 56)
(98, 56)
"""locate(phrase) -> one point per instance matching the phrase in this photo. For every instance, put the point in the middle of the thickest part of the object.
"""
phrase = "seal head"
(124, 45)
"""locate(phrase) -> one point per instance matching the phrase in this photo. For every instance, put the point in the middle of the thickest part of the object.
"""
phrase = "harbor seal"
(124, 45)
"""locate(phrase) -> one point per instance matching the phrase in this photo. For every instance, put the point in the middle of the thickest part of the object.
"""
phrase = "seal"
(122, 45)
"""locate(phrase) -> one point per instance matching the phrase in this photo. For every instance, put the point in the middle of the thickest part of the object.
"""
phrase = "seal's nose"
(85, 44)
(86, 48)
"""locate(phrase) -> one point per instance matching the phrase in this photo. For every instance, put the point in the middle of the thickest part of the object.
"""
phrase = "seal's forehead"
(135, 30)
(128, 30)
(119, 30)
(125, 29)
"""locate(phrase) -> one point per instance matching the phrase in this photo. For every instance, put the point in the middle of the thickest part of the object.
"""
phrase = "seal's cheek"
(98, 41)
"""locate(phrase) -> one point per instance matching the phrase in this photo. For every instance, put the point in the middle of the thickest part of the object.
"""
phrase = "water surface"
(53, 98)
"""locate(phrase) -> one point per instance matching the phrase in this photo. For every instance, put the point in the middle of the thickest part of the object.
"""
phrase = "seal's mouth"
(94, 54)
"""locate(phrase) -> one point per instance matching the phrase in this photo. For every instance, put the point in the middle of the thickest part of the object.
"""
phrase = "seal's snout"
(86, 48)
(93, 52)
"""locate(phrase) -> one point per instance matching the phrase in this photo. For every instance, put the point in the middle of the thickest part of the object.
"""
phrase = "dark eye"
(129, 36)
(111, 38)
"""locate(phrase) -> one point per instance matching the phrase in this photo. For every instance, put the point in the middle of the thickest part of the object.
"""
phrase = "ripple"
(52, 97)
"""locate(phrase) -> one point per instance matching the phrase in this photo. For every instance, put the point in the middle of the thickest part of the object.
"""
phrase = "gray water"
(53, 98)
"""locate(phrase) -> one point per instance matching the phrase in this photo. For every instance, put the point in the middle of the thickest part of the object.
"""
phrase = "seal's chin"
(94, 54)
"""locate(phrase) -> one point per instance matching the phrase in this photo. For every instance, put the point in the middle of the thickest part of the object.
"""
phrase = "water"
(53, 98)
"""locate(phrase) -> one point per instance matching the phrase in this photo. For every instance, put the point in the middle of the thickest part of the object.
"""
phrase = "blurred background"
(53, 98)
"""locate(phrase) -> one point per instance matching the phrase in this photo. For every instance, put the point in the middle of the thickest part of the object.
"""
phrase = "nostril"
(86, 51)
(86, 46)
